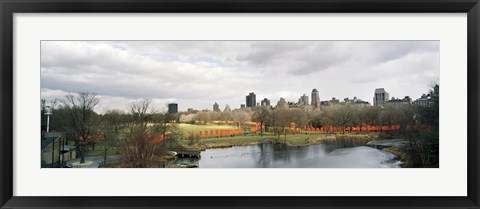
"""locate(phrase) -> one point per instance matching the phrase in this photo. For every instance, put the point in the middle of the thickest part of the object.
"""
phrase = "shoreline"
(399, 154)
(402, 155)
(219, 143)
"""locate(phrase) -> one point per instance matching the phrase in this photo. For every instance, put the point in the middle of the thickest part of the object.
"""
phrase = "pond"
(339, 153)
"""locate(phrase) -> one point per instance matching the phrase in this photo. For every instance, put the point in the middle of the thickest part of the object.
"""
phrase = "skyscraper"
(172, 108)
(303, 100)
(380, 97)
(315, 99)
(216, 108)
(251, 100)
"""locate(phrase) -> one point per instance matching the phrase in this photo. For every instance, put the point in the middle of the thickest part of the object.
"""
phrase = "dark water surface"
(340, 153)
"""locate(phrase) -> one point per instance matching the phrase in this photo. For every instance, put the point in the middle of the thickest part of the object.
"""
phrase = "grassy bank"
(402, 154)
(292, 140)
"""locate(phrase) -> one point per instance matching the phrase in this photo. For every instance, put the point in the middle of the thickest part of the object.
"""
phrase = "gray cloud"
(198, 73)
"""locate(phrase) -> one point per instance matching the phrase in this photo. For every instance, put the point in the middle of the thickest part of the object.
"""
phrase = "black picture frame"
(9, 7)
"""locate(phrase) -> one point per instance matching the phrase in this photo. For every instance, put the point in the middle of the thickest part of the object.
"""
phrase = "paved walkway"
(91, 162)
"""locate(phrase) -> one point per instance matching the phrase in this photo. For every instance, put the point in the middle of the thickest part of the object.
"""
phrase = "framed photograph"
(195, 104)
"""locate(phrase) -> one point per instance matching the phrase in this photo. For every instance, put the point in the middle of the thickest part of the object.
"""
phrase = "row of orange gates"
(218, 133)
(307, 130)
(313, 130)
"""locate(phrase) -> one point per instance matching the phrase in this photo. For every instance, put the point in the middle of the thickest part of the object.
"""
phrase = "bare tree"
(139, 112)
(241, 116)
(165, 120)
(299, 116)
(80, 109)
(261, 115)
(226, 116)
(112, 123)
(279, 120)
(141, 147)
(324, 119)
(202, 117)
(370, 115)
(344, 116)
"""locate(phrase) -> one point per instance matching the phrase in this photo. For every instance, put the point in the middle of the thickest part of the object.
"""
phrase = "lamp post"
(48, 112)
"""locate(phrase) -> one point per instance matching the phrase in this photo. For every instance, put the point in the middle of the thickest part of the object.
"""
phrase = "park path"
(91, 162)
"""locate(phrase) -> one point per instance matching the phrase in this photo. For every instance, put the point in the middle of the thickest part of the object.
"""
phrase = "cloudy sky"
(196, 74)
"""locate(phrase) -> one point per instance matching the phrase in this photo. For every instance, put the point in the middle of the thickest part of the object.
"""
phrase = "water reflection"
(340, 153)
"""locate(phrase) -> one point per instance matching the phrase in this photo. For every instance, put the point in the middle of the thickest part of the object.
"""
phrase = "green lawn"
(298, 139)
(243, 140)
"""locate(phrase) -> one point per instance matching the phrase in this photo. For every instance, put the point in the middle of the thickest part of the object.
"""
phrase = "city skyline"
(303, 102)
(195, 74)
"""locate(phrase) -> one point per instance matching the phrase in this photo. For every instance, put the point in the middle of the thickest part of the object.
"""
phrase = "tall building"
(172, 108)
(251, 100)
(265, 102)
(303, 100)
(315, 99)
(216, 108)
(380, 97)
(227, 108)
(282, 103)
